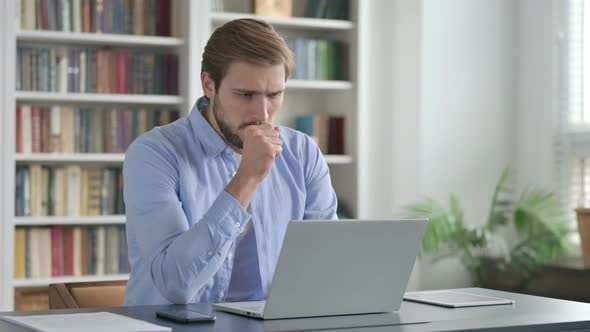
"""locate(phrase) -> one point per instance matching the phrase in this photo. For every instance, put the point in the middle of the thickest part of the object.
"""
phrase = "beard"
(228, 132)
(230, 135)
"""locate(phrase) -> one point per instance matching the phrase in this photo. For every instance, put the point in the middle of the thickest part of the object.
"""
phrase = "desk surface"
(530, 313)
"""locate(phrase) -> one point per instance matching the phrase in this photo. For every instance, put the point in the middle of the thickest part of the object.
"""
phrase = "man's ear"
(208, 85)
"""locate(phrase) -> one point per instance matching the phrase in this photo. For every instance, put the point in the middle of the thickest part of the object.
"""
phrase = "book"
(45, 253)
(99, 251)
(77, 251)
(73, 192)
(273, 8)
(57, 250)
(59, 192)
(19, 253)
(36, 190)
(19, 191)
(55, 130)
(336, 135)
(26, 130)
(68, 251)
(19, 134)
(94, 191)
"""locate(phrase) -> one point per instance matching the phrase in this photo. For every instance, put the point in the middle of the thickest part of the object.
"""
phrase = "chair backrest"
(96, 294)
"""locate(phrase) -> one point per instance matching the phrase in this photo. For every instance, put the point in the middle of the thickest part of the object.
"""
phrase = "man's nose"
(261, 109)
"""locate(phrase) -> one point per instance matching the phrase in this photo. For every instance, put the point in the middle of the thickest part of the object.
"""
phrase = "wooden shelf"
(290, 22)
(319, 85)
(97, 98)
(90, 220)
(46, 282)
(59, 158)
(96, 39)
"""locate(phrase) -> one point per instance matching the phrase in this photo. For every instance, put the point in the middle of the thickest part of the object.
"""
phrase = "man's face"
(248, 95)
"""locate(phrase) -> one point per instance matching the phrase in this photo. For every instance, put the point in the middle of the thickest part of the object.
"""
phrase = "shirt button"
(237, 225)
(233, 174)
(229, 256)
(221, 294)
(209, 253)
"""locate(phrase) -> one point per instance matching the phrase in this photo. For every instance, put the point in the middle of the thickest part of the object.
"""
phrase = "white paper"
(90, 322)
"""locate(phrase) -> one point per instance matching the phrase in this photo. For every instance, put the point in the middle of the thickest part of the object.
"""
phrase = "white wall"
(468, 99)
(534, 158)
(391, 77)
(406, 63)
(447, 103)
(375, 114)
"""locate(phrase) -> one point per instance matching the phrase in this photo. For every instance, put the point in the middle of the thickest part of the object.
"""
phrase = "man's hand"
(261, 147)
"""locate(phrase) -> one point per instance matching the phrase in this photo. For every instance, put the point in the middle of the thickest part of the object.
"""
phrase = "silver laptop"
(341, 267)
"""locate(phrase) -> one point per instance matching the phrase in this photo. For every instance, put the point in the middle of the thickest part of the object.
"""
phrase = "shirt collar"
(206, 135)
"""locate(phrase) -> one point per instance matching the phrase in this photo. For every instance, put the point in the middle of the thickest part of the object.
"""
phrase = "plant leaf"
(501, 207)
(440, 226)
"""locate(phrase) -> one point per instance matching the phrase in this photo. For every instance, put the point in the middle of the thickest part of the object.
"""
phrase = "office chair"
(87, 294)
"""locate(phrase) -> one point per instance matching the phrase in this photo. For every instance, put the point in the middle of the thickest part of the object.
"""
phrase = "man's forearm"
(242, 188)
(183, 263)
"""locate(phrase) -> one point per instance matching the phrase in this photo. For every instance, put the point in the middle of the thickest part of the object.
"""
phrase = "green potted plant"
(535, 217)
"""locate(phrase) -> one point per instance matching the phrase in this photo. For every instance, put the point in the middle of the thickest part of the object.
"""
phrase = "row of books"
(137, 17)
(54, 251)
(62, 129)
(101, 70)
(319, 59)
(68, 191)
(327, 131)
(332, 9)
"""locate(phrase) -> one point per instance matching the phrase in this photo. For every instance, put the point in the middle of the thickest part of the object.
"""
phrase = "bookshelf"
(189, 35)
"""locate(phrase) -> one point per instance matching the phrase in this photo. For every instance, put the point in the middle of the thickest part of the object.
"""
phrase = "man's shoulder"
(300, 146)
(168, 138)
(294, 138)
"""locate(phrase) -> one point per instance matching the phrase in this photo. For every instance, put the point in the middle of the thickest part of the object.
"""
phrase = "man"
(209, 196)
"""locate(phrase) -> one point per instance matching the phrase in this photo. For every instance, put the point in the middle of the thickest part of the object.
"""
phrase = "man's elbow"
(171, 287)
(176, 295)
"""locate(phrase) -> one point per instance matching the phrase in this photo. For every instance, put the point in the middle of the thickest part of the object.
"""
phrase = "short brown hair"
(248, 40)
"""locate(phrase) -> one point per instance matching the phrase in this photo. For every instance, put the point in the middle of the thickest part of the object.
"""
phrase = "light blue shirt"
(182, 225)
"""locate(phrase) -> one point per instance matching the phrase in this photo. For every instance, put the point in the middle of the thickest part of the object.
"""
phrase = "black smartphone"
(184, 316)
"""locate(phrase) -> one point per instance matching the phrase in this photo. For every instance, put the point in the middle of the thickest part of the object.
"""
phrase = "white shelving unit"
(96, 98)
(55, 158)
(72, 38)
(46, 282)
(330, 97)
(72, 221)
(195, 22)
(184, 45)
(292, 22)
(116, 158)
(319, 85)
(333, 159)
